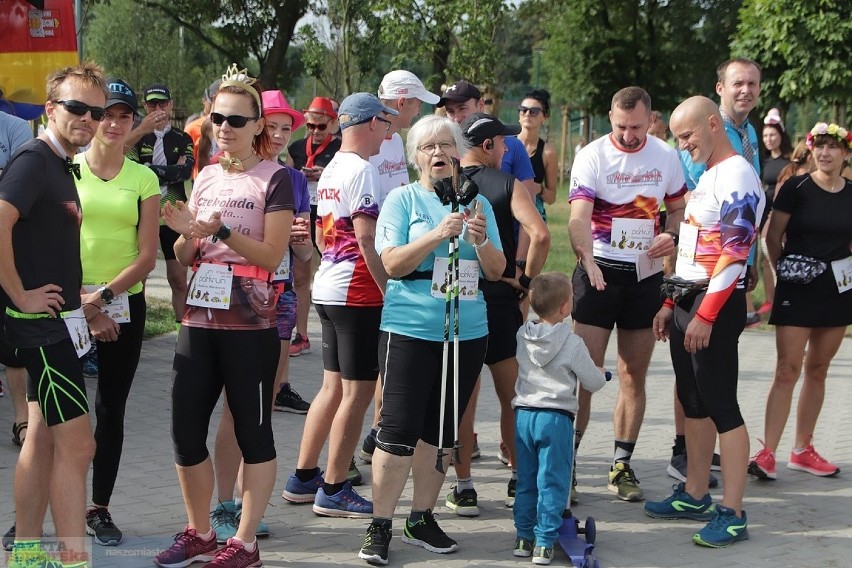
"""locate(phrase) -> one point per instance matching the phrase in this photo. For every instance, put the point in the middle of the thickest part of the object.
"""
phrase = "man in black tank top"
(511, 201)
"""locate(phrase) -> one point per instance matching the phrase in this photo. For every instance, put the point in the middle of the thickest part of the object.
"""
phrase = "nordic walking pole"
(454, 261)
(448, 279)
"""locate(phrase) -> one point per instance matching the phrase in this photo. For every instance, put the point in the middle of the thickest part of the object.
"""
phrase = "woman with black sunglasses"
(233, 232)
(532, 114)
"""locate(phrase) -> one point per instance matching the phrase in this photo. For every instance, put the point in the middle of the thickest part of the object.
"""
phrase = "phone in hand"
(475, 209)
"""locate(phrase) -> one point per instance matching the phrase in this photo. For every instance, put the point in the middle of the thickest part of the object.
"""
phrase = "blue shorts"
(285, 314)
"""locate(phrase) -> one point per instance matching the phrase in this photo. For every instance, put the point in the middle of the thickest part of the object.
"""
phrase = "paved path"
(797, 520)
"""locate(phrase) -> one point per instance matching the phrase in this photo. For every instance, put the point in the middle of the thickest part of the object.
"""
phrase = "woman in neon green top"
(118, 248)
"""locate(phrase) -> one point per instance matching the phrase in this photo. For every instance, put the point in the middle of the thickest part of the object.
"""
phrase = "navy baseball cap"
(358, 108)
(120, 93)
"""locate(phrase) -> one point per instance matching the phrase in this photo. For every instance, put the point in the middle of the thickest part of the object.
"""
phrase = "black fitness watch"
(675, 236)
(107, 295)
(223, 233)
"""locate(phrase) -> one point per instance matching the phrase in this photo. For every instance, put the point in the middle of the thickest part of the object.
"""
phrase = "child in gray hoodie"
(552, 363)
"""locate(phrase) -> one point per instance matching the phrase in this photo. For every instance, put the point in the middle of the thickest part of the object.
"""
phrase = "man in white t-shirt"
(618, 184)
(402, 91)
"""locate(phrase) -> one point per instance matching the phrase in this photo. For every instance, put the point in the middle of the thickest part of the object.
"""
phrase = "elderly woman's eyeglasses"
(434, 147)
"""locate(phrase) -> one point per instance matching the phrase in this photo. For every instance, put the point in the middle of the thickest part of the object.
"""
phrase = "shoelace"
(626, 474)
(104, 517)
(373, 531)
(229, 551)
(222, 516)
(812, 453)
(186, 536)
(295, 395)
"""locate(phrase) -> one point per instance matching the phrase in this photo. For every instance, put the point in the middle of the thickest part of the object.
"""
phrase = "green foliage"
(161, 53)
(668, 47)
(804, 47)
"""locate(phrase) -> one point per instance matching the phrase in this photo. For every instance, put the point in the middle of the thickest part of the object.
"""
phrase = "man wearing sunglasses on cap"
(170, 154)
(41, 275)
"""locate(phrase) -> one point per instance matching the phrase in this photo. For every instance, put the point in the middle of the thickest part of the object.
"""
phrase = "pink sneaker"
(189, 547)
(765, 308)
(762, 465)
(300, 345)
(235, 555)
(810, 461)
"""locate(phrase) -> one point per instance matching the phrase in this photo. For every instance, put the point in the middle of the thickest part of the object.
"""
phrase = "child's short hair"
(548, 291)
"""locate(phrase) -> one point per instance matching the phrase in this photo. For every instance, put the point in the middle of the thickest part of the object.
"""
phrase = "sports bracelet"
(482, 244)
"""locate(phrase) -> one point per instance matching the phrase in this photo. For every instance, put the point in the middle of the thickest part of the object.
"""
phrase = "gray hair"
(430, 127)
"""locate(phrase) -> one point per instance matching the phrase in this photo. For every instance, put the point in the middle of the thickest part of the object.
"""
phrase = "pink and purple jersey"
(725, 206)
(349, 186)
(622, 184)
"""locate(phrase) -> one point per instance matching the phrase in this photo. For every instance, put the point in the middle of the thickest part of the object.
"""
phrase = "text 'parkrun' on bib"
(468, 279)
(842, 270)
(210, 287)
(118, 309)
(632, 235)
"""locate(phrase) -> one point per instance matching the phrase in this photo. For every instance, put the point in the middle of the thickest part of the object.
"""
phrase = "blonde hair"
(89, 73)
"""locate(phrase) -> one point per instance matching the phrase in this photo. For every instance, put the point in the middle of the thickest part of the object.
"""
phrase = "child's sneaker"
(376, 544)
(301, 492)
(463, 503)
(724, 529)
(235, 555)
(523, 548)
(681, 505)
(623, 482)
(542, 555)
(762, 465)
(810, 461)
(189, 547)
(427, 534)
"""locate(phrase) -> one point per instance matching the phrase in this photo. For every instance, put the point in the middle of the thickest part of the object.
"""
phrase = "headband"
(823, 129)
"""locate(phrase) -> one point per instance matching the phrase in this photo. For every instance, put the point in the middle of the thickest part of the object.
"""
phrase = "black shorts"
(168, 238)
(504, 321)
(56, 381)
(707, 380)
(8, 357)
(816, 304)
(350, 341)
(624, 302)
(411, 387)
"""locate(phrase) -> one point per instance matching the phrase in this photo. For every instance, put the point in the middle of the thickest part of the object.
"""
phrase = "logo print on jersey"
(622, 179)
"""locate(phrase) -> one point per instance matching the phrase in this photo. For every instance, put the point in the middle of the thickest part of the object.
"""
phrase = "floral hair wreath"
(235, 77)
(833, 130)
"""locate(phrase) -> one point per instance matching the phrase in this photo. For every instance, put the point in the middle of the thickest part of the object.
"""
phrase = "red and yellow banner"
(37, 38)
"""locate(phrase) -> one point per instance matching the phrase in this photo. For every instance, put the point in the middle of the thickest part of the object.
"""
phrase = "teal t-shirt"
(407, 214)
(108, 236)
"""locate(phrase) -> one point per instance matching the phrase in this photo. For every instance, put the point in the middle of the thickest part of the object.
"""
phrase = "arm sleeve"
(587, 372)
(392, 227)
(362, 192)
(516, 161)
(583, 176)
(677, 185)
(279, 195)
(17, 187)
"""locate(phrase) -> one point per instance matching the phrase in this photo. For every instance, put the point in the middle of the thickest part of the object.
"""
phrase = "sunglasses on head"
(80, 109)
(158, 103)
(235, 120)
(320, 127)
(532, 111)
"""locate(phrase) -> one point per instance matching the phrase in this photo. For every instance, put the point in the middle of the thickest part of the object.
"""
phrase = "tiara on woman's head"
(236, 77)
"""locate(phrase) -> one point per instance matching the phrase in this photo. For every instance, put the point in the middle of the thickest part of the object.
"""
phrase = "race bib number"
(842, 270)
(688, 243)
(211, 287)
(468, 279)
(78, 330)
(118, 309)
(632, 235)
(283, 270)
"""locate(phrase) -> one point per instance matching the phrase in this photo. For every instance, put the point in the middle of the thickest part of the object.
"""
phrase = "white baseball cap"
(401, 84)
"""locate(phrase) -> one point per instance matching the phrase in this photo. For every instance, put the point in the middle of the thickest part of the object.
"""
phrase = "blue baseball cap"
(358, 108)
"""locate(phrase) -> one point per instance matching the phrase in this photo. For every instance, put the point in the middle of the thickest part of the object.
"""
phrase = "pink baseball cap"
(275, 103)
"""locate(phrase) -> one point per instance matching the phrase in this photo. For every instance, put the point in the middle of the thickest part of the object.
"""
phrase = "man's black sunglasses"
(235, 120)
(80, 109)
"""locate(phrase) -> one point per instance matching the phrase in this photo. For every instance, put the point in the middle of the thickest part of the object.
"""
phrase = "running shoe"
(427, 534)
(223, 519)
(90, 364)
(724, 529)
(297, 491)
(345, 504)
(503, 454)
(288, 400)
(810, 461)
(32, 555)
(752, 319)
(623, 482)
(476, 453)
(354, 475)
(262, 529)
(463, 503)
(765, 309)
(189, 547)
(510, 492)
(300, 345)
(542, 555)
(9, 539)
(677, 470)
(368, 447)
(523, 548)
(681, 505)
(235, 555)
(376, 544)
(716, 464)
(99, 524)
(762, 465)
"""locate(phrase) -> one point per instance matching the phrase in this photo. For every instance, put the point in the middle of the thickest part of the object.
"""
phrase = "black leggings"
(117, 361)
(244, 362)
(707, 380)
(411, 389)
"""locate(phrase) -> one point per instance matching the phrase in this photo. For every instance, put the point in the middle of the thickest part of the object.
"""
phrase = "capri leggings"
(241, 361)
(707, 380)
(117, 361)
(411, 389)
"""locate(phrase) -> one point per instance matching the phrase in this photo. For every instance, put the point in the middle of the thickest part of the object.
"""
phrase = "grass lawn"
(160, 318)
